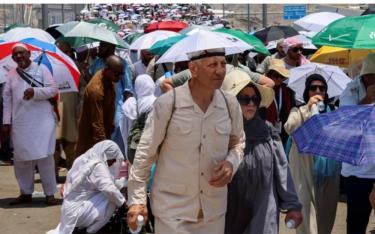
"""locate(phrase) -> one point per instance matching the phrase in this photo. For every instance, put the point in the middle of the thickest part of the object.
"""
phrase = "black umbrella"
(370, 10)
(52, 30)
(273, 33)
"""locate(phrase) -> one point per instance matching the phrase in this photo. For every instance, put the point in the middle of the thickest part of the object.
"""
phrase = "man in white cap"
(30, 121)
(195, 135)
(359, 180)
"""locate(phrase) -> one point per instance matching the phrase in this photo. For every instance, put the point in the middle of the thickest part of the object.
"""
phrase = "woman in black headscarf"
(262, 185)
(316, 178)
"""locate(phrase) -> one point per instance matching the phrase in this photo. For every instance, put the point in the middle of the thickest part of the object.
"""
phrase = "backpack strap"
(166, 128)
(226, 103)
(170, 117)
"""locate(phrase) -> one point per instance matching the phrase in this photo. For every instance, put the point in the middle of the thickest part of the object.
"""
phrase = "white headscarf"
(84, 164)
(130, 108)
(145, 90)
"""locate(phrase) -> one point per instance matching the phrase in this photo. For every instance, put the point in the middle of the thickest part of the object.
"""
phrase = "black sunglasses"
(245, 100)
(315, 87)
(296, 49)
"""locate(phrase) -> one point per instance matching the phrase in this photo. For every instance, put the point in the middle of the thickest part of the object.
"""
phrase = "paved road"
(36, 218)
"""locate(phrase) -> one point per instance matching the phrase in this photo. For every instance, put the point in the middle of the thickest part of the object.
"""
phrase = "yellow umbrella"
(341, 57)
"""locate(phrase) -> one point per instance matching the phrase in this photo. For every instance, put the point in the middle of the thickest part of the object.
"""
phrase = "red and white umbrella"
(63, 69)
(171, 25)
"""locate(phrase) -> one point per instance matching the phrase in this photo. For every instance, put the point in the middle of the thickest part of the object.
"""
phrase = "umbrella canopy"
(339, 56)
(105, 24)
(16, 25)
(147, 40)
(335, 77)
(17, 34)
(356, 32)
(174, 26)
(132, 37)
(250, 39)
(81, 33)
(53, 32)
(274, 33)
(63, 69)
(203, 40)
(160, 47)
(347, 135)
(317, 21)
(194, 27)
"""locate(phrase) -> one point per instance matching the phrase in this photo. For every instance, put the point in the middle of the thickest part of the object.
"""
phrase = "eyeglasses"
(320, 87)
(245, 100)
(296, 49)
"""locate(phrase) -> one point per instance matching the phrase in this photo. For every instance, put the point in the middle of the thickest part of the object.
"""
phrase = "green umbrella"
(250, 39)
(355, 32)
(81, 33)
(160, 47)
(132, 37)
(105, 24)
(16, 25)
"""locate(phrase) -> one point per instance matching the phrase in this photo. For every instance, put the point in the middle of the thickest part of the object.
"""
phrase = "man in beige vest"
(195, 136)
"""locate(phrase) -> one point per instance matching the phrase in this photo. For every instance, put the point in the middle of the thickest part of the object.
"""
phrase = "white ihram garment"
(90, 194)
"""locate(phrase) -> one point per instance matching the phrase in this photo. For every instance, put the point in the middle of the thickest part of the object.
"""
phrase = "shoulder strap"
(28, 78)
(166, 128)
(173, 109)
(226, 103)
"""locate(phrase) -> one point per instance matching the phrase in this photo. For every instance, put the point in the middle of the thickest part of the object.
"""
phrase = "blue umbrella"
(347, 135)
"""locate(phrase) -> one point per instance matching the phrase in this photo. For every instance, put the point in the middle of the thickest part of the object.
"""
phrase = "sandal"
(51, 201)
(21, 199)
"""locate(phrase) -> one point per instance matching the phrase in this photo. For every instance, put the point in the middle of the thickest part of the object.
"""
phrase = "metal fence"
(37, 15)
(250, 17)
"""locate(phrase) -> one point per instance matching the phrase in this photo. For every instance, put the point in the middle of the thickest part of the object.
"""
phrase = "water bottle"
(320, 106)
(291, 224)
(140, 222)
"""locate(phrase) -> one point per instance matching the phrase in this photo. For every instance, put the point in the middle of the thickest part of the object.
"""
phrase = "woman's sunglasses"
(245, 100)
(320, 87)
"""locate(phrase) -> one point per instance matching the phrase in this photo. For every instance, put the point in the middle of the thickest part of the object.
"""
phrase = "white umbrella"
(18, 34)
(203, 40)
(146, 41)
(317, 21)
(335, 77)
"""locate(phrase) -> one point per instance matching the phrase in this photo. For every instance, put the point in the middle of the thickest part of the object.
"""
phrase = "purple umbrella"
(347, 135)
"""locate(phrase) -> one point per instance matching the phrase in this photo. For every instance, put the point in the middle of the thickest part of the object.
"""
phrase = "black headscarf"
(308, 82)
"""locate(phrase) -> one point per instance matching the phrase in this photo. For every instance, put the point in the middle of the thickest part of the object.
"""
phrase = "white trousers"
(25, 170)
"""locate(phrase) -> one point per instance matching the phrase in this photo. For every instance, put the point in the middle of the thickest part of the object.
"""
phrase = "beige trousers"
(176, 226)
(319, 203)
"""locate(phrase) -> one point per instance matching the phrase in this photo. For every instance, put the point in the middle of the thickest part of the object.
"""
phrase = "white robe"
(33, 122)
(133, 107)
(90, 194)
